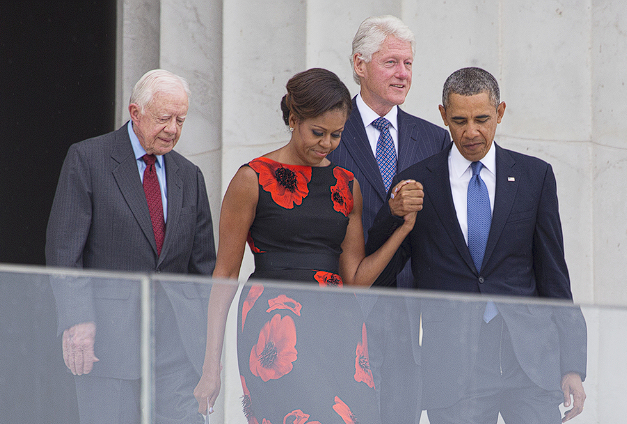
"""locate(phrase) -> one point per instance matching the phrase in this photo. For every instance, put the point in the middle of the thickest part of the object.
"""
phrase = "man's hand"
(407, 197)
(78, 348)
(572, 386)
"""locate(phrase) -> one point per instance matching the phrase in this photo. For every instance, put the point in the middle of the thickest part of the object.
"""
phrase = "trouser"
(499, 385)
(116, 401)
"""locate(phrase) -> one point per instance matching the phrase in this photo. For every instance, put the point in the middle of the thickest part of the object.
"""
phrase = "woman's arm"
(236, 217)
(355, 267)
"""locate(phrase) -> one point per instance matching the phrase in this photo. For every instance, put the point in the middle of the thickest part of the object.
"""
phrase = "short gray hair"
(152, 82)
(372, 33)
(469, 82)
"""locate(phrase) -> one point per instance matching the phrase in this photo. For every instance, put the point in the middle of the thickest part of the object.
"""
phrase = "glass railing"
(293, 353)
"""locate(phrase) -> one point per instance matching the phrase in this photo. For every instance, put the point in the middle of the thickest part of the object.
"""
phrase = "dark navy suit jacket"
(524, 257)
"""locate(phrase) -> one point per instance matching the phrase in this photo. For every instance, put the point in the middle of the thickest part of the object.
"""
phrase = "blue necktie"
(386, 154)
(479, 221)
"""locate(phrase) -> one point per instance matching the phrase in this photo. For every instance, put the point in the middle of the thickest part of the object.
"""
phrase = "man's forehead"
(476, 102)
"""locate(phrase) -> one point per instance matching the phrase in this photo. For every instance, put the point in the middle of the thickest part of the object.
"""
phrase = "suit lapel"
(127, 177)
(175, 201)
(356, 142)
(438, 192)
(507, 180)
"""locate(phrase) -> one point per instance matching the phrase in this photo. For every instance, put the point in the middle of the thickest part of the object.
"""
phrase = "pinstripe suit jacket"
(417, 140)
(100, 220)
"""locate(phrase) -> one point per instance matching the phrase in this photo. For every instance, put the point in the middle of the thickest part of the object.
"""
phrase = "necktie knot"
(476, 168)
(149, 159)
(381, 123)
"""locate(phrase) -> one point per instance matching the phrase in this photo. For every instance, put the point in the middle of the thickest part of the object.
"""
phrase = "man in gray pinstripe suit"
(383, 52)
(101, 219)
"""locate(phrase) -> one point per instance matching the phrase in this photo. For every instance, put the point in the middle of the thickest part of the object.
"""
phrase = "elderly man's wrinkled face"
(159, 126)
(386, 79)
(472, 121)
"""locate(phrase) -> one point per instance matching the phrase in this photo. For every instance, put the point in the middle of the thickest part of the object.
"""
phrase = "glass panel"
(303, 350)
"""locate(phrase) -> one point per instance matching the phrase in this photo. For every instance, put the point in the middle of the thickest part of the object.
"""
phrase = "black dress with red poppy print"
(303, 354)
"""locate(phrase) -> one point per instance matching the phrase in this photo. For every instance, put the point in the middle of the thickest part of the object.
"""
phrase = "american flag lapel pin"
(510, 179)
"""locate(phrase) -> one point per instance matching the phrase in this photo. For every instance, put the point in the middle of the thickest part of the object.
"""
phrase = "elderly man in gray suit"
(126, 201)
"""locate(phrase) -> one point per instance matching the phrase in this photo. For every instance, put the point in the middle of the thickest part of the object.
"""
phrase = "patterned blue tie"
(479, 221)
(386, 154)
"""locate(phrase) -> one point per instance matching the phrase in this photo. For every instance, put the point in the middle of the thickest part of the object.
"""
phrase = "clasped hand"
(406, 199)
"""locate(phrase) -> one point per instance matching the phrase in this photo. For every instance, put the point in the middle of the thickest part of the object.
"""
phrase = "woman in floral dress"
(303, 355)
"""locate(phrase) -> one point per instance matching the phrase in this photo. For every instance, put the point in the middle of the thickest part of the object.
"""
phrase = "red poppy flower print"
(340, 193)
(247, 403)
(344, 411)
(286, 183)
(284, 302)
(296, 417)
(251, 244)
(272, 356)
(363, 373)
(325, 279)
(253, 294)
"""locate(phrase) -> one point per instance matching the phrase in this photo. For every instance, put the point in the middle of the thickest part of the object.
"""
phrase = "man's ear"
(499, 112)
(359, 65)
(134, 111)
(443, 113)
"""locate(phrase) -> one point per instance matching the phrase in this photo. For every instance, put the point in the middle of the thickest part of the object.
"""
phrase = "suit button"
(481, 280)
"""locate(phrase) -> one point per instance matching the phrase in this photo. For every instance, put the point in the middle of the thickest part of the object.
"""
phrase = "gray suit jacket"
(100, 220)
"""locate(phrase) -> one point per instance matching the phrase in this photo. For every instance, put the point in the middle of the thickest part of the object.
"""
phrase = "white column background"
(561, 67)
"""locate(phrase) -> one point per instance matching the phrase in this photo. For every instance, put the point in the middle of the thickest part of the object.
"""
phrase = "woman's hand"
(207, 391)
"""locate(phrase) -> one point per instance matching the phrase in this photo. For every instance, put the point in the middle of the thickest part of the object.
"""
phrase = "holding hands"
(406, 200)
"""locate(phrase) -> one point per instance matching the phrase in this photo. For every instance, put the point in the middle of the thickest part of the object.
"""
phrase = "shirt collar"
(138, 150)
(460, 164)
(368, 115)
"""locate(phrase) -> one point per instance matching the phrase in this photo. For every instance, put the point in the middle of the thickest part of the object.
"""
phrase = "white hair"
(152, 82)
(372, 33)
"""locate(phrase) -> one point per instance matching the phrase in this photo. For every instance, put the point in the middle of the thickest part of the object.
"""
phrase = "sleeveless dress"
(303, 354)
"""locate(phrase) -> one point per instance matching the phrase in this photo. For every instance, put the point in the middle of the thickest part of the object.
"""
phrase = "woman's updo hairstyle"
(314, 92)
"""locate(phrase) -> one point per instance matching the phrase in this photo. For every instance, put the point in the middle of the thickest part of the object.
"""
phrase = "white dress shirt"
(459, 173)
(368, 115)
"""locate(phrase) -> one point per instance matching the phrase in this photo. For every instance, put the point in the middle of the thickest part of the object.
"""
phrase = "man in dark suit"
(488, 222)
(382, 57)
(126, 201)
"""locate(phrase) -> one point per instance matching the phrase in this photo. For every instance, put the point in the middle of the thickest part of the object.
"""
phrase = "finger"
(89, 363)
(399, 187)
(566, 397)
(66, 350)
(79, 361)
(202, 405)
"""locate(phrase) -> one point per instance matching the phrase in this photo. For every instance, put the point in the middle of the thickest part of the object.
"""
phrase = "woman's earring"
(291, 129)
